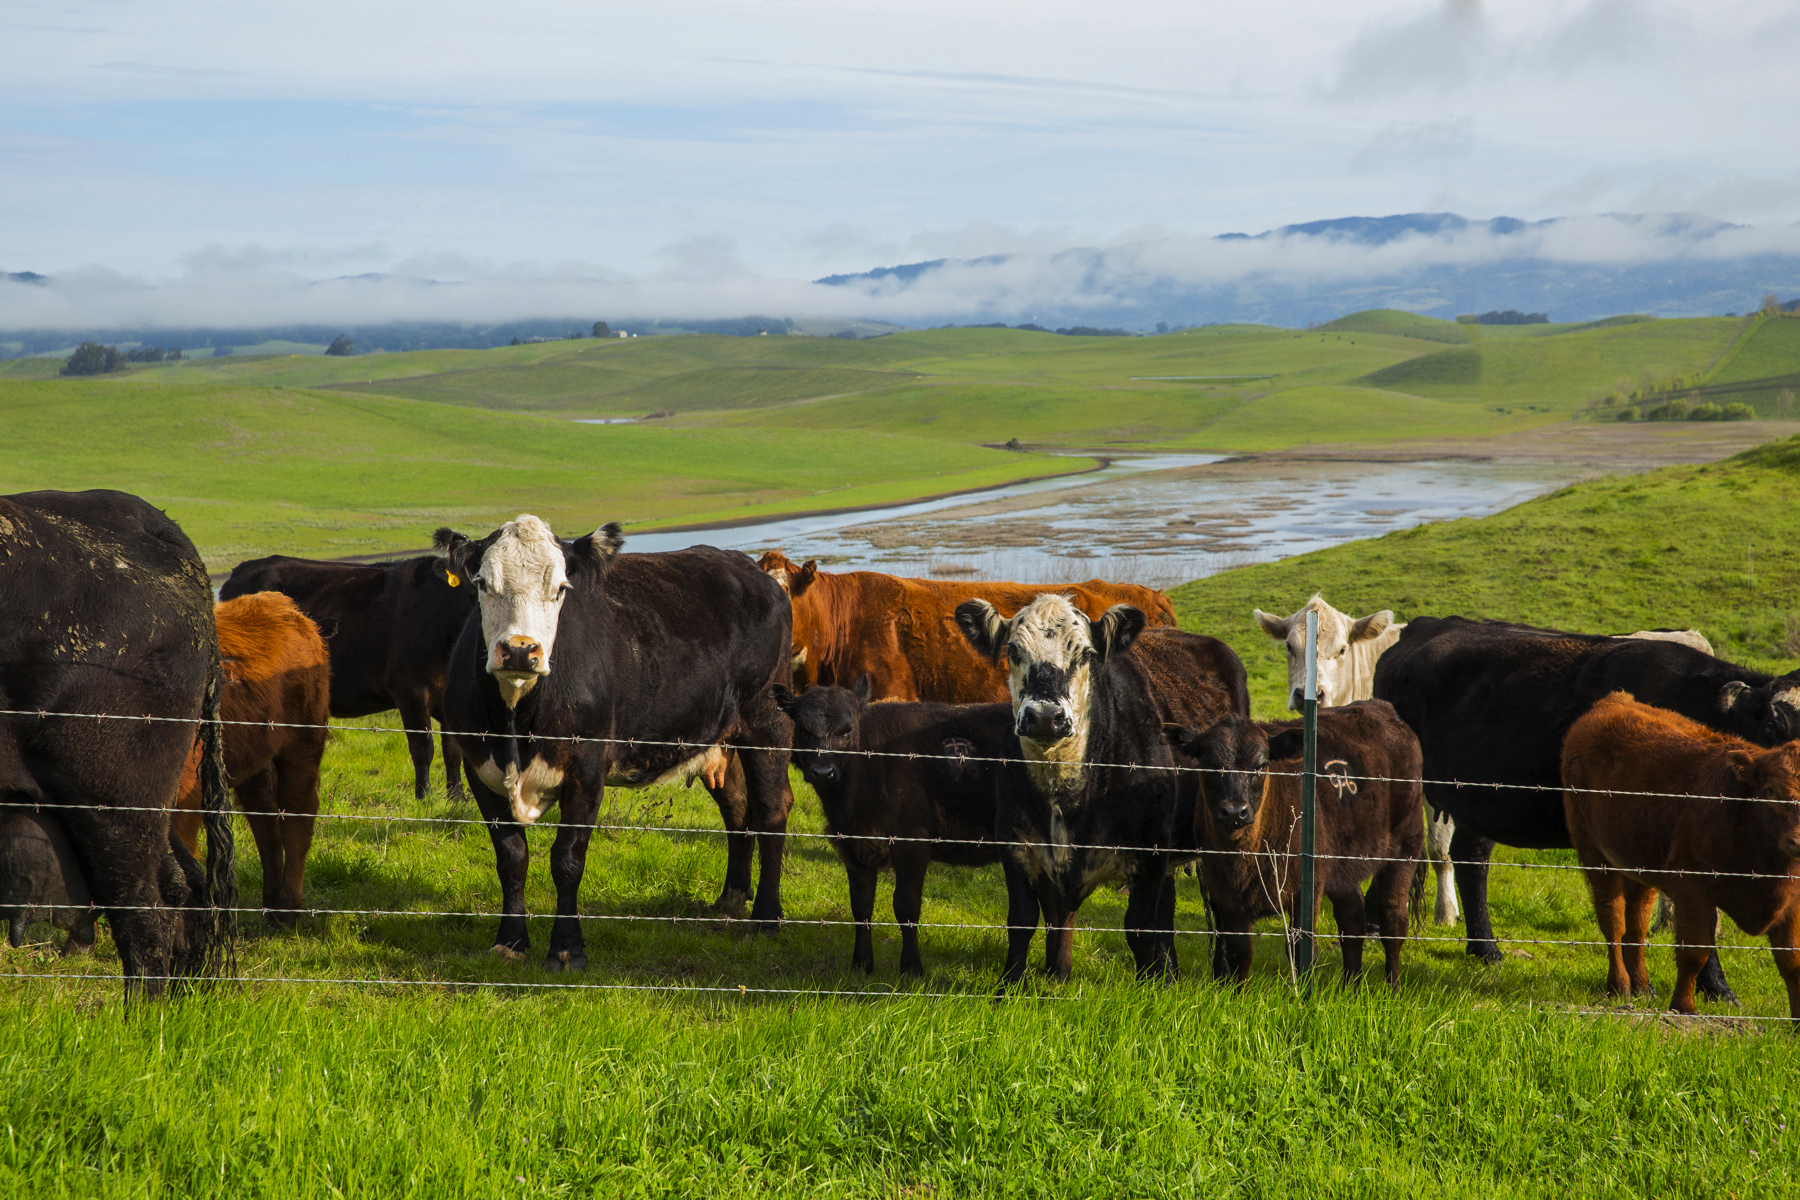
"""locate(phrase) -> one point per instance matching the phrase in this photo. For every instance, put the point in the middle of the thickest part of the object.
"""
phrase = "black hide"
(389, 629)
(677, 647)
(106, 608)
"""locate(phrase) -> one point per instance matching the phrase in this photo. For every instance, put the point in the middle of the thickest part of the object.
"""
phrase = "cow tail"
(1421, 873)
(218, 934)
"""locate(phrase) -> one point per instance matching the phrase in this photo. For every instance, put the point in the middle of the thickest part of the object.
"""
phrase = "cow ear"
(1371, 626)
(462, 558)
(1733, 694)
(1289, 743)
(598, 548)
(784, 698)
(861, 691)
(984, 627)
(802, 579)
(1177, 736)
(1276, 627)
(1117, 629)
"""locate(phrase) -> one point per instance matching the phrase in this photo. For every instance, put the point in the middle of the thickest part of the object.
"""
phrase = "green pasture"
(250, 470)
(416, 1063)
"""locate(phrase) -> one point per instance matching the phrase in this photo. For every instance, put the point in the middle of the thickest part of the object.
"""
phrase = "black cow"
(105, 608)
(670, 657)
(41, 880)
(390, 628)
(938, 807)
(1491, 702)
(1096, 799)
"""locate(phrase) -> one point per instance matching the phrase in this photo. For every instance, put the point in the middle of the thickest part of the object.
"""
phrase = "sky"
(716, 153)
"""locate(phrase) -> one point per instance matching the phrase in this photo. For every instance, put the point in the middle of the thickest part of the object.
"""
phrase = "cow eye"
(480, 584)
(562, 590)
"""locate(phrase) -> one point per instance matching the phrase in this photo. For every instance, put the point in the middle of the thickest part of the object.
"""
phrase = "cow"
(1720, 831)
(106, 610)
(902, 633)
(1095, 797)
(277, 706)
(41, 880)
(1491, 702)
(1346, 652)
(664, 660)
(902, 786)
(391, 627)
(1370, 827)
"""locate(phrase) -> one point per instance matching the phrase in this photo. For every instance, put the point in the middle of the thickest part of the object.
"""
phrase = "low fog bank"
(1436, 264)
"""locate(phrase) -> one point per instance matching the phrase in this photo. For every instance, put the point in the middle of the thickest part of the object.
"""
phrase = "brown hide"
(902, 632)
(1737, 809)
(1367, 827)
(276, 670)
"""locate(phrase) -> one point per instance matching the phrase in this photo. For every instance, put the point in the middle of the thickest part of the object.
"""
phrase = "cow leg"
(770, 801)
(1638, 902)
(1784, 940)
(910, 865)
(568, 862)
(1348, 909)
(1608, 893)
(1694, 933)
(81, 935)
(1388, 894)
(1144, 910)
(453, 756)
(740, 844)
(1059, 938)
(862, 911)
(1470, 853)
(415, 718)
(1165, 922)
(256, 800)
(1440, 829)
(1712, 975)
(1021, 920)
(1237, 945)
(511, 858)
(124, 856)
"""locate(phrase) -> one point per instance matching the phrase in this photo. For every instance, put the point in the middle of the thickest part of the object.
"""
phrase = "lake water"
(1155, 519)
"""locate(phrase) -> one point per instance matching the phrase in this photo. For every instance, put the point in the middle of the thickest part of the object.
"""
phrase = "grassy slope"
(247, 470)
(1106, 1086)
(1772, 349)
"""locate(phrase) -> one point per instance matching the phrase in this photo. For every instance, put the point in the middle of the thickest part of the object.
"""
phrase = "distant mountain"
(1436, 264)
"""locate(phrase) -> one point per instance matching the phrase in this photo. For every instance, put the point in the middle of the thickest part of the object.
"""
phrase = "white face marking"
(522, 583)
(1051, 635)
(1346, 669)
(530, 792)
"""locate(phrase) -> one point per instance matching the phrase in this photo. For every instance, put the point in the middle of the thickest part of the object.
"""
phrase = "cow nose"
(1232, 816)
(824, 771)
(1295, 700)
(520, 653)
(1043, 722)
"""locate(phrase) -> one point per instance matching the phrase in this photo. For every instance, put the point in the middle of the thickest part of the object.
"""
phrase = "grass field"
(1472, 1080)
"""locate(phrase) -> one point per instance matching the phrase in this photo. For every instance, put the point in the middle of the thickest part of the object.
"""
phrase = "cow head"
(796, 580)
(1774, 776)
(1767, 714)
(826, 720)
(521, 574)
(1050, 648)
(1234, 756)
(1338, 632)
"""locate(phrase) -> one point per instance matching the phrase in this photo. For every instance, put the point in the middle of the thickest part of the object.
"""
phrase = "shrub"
(1737, 411)
(91, 358)
(1706, 412)
(1674, 410)
(1628, 413)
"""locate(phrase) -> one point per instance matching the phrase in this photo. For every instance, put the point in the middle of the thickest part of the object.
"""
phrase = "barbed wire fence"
(1182, 853)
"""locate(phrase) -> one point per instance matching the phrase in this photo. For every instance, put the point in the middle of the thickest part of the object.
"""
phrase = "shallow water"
(1157, 520)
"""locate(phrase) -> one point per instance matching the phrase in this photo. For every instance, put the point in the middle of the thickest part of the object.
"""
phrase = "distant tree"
(601, 330)
(1771, 304)
(1013, 444)
(144, 354)
(514, 342)
(1162, 327)
(91, 358)
(341, 347)
(1512, 316)
(175, 354)
(1784, 402)
(1737, 410)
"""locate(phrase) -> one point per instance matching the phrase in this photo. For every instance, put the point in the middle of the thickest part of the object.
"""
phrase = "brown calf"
(276, 670)
(1729, 840)
(1370, 823)
(902, 633)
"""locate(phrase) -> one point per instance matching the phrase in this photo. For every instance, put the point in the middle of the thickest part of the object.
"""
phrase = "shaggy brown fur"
(1631, 847)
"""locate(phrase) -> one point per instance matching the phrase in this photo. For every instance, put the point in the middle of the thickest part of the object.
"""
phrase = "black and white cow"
(390, 627)
(669, 657)
(1491, 702)
(105, 608)
(1097, 772)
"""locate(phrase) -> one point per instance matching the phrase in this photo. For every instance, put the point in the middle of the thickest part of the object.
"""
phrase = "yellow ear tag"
(450, 577)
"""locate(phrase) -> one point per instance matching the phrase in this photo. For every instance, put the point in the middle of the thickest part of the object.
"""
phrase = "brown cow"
(1729, 840)
(276, 670)
(902, 633)
(1370, 823)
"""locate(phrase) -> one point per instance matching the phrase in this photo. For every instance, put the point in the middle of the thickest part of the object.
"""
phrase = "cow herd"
(1069, 733)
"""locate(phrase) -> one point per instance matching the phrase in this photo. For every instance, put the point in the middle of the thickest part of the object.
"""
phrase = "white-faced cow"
(1095, 799)
(1491, 702)
(667, 660)
(1348, 649)
(105, 608)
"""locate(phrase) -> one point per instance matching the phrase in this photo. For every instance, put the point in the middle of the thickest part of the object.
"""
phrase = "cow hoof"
(566, 960)
(731, 904)
(75, 949)
(507, 952)
(1724, 994)
(1487, 954)
(771, 928)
